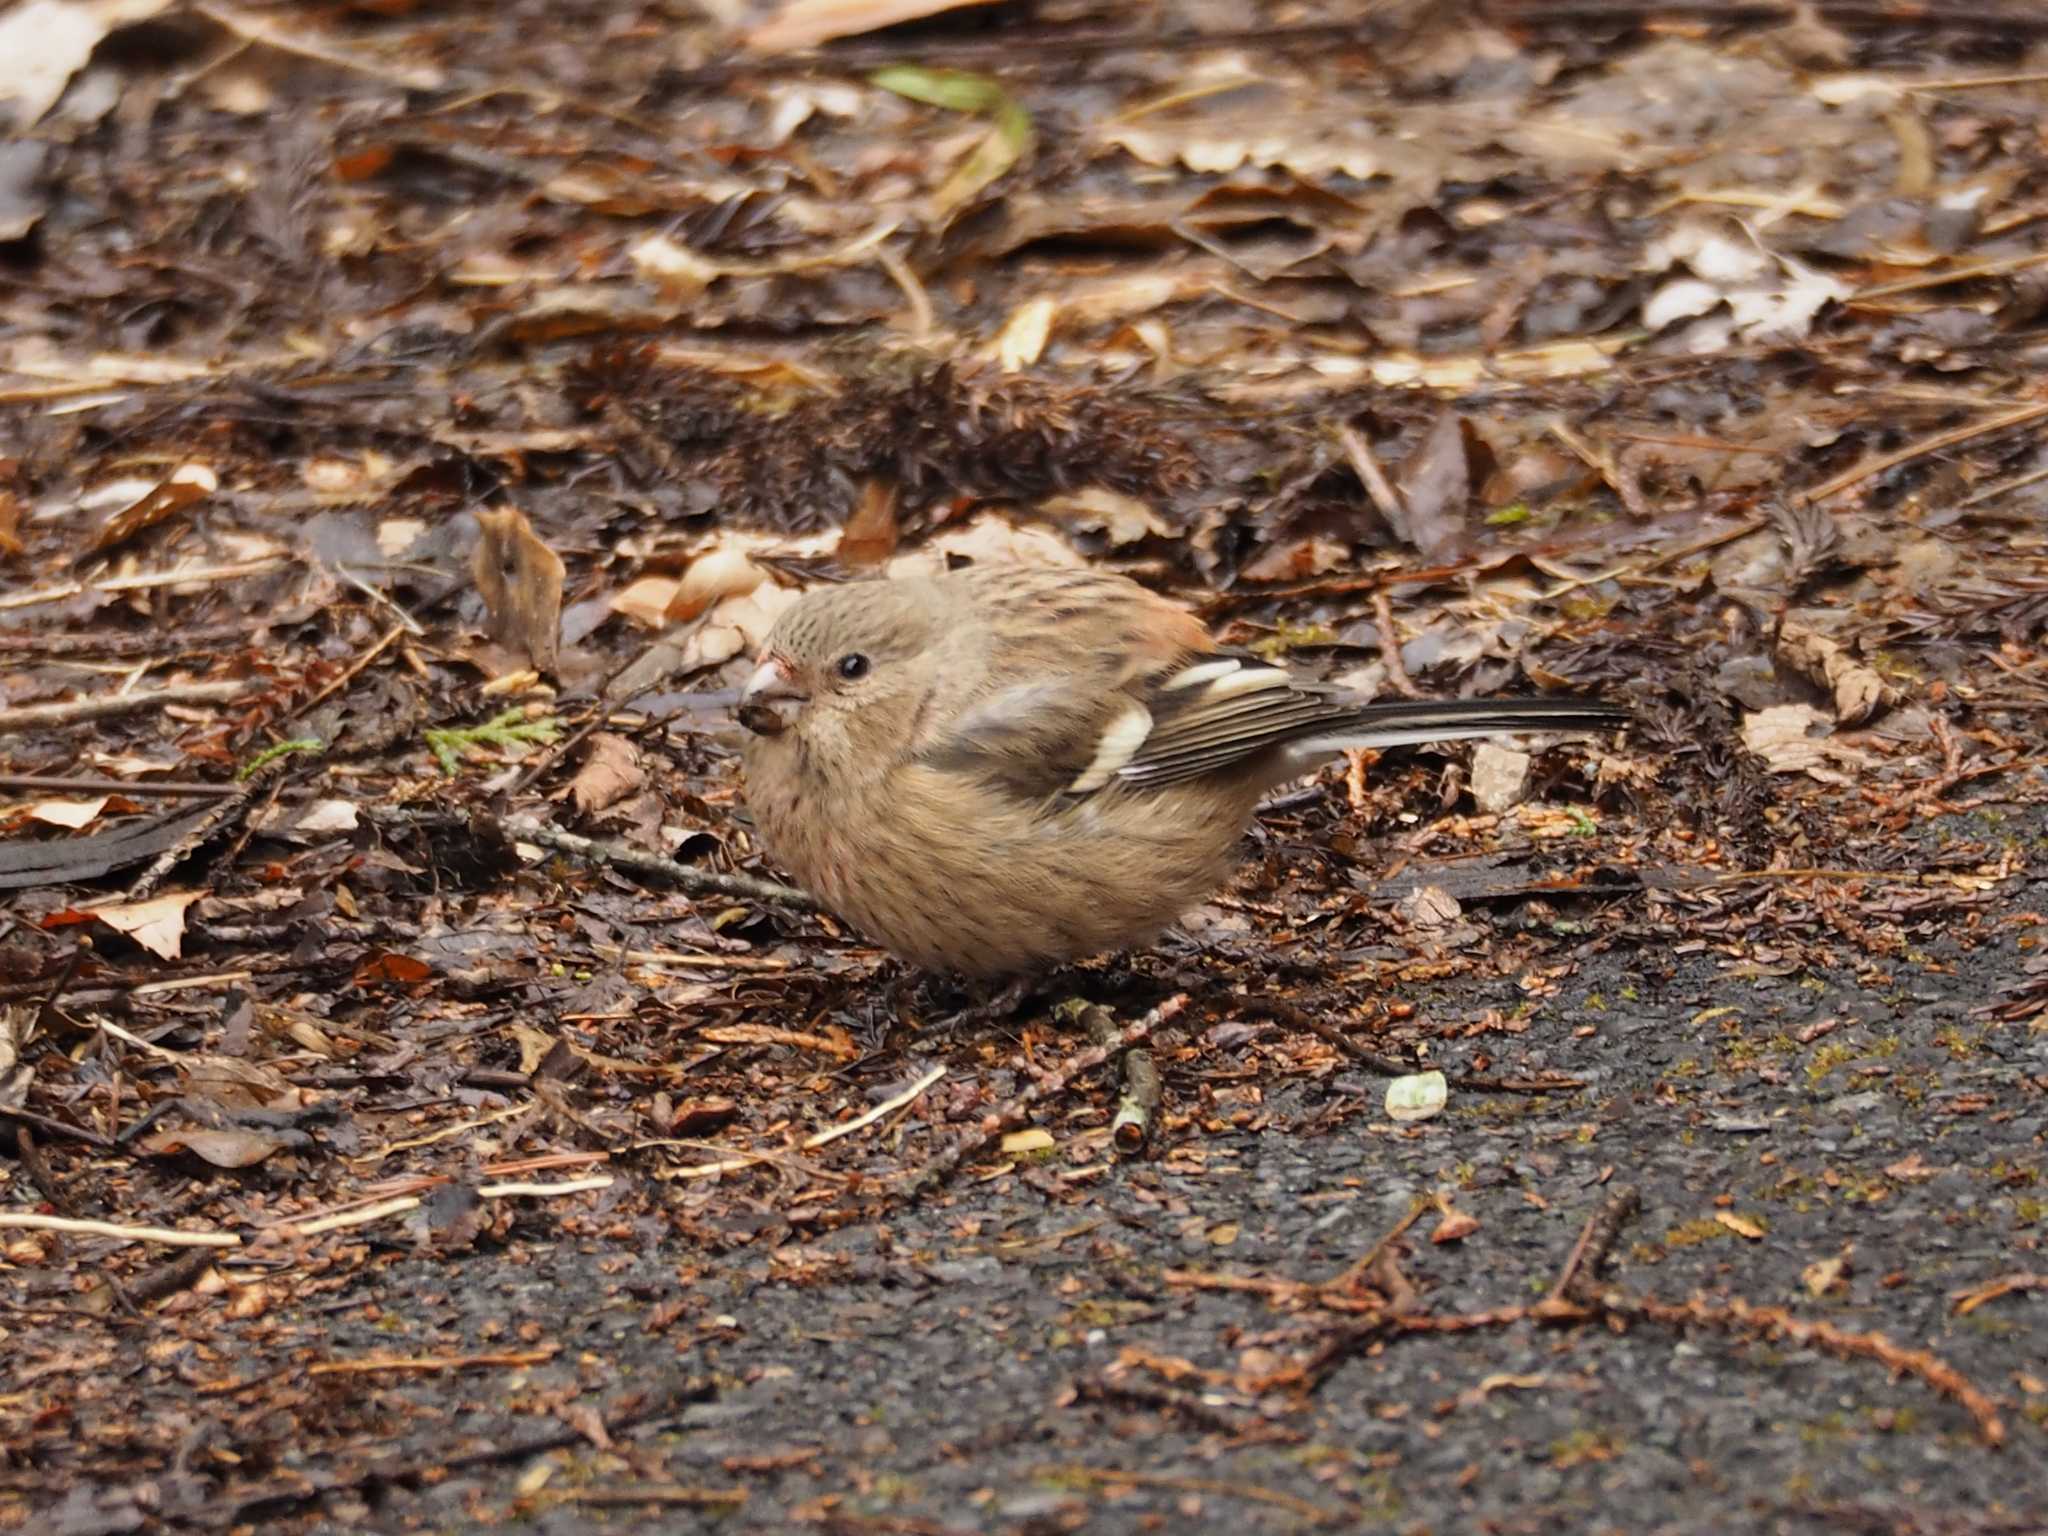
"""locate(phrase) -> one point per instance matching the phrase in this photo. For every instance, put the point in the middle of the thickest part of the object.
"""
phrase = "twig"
(1348, 1281)
(143, 581)
(169, 1236)
(1009, 1116)
(652, 1493)
(391, 637)
(1131, 1127)
(1385, 499)
(1739, 1317)
(1601, 1232)
(684, 876)
(135, 789)
(74, 711)
(545, 1191)
(887, 1107)
(1856, 474)
(51, 1127)
(428, 1363)
(1390, 646)
(1291, 1013)
(361, 1218)
(1969, 1301)
(1139, 1099)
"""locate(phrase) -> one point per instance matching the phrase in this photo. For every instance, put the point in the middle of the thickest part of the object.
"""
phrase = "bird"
(1001, 769)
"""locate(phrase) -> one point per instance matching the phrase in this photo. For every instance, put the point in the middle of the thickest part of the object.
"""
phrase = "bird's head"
(844, 664)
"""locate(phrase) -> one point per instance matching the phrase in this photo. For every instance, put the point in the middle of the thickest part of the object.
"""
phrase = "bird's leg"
(993, 1005)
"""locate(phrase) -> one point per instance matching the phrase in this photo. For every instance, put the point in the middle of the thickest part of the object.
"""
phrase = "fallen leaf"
(521, 582)
(67, 813)
(1022, 339)
(1780, 737)
(1859, 692)
(157, 924)
(43, 43)
(1454, 1226)
(1741, 1226)
(1437, 482)
(611, 771)
(1825, 1275)
(1030, 1139)
(1910, 1170)
(870, 532)
(223, 1149)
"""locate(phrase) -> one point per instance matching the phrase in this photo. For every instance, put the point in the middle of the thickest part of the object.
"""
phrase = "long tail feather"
(1408, 722)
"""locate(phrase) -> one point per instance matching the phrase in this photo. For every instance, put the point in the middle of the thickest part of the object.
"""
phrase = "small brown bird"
(1003, 768)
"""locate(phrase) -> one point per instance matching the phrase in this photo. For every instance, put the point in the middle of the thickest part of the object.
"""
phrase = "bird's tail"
(1408, 722)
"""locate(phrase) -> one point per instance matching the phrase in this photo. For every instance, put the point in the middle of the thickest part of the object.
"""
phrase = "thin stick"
(1856, 474)
(516, 1357)
(134, 789)
(170, 1236)
(74, 711)
(1008, 1117)
(142, 582)
(688, 878)
(364, 1217)
(391, 637)
(566, 1187)
(886, 1107)
(1348, 1281)
(1601, 1232)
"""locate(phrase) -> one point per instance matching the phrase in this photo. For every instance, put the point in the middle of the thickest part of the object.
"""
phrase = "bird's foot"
(985, 1005)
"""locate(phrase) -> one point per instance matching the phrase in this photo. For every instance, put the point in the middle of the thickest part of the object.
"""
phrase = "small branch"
(1940, 442)
(1390, 646)
(1569, 1298)
(685, 877)
(169, 1236)
(1349, 1280)
(72, 712)
(1131, 1127)
(1013, 1114)
(1969, 1301)
(134, 789)
(885, 1108)
(1739, 1317)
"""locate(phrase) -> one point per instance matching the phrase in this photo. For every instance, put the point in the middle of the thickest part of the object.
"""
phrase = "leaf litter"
(412, 430)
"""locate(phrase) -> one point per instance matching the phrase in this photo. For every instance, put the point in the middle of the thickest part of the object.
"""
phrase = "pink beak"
(773, 684)
(774, 679)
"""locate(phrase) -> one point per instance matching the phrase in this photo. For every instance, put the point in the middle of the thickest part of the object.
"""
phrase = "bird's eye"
(853, 665)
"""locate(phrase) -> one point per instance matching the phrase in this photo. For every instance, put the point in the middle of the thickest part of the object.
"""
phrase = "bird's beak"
(773, 686)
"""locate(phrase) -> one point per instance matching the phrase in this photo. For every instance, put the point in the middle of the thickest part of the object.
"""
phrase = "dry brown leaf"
(1859, 692)
(1741, 1226)
(870, 533)
(611, 771)
(1455, 1225)
(521, 582)
(1825, 1275)
(1437, 482)
(1121, 519)
(1779, 736)
(68, 813)
(43, 43)
(157, 924)
(223, 1149)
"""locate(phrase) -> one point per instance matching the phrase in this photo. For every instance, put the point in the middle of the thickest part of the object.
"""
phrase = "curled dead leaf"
(521, 582)
(1858, 691)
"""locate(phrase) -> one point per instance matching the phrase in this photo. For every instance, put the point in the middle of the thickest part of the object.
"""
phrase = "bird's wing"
(1073, 734)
